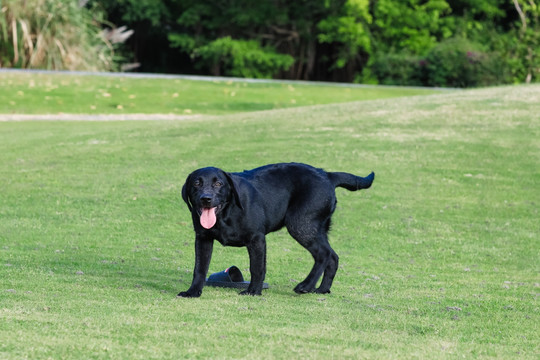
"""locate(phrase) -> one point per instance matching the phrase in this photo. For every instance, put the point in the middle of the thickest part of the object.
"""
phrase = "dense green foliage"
(368, 41)
(460, 63)
(242, 58)
(383, 41)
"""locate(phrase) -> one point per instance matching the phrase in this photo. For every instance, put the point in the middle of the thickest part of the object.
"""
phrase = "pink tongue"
(208, 217)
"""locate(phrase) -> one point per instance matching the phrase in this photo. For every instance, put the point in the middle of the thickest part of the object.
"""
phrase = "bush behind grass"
(439, 259)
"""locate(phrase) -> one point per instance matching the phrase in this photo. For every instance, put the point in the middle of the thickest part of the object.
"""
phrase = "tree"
(410, 26)
(380, 41)
(224, 38)
(528, 46)
(289, 38)
(348, 30)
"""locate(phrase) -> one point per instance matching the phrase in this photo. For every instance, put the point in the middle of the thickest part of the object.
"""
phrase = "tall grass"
(53, 34)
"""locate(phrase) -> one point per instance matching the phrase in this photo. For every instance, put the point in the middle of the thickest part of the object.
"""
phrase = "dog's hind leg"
(329, 273)
(308, 221)
(321, 256)
(316, 242)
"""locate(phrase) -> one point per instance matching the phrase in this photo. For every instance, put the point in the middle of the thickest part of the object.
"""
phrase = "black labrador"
(239, 209)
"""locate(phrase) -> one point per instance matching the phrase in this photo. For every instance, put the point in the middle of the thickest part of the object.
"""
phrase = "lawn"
(438, 260)
(45, 93)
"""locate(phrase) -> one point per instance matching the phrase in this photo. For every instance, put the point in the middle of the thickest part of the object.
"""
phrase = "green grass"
(31, 93)
(439, 259)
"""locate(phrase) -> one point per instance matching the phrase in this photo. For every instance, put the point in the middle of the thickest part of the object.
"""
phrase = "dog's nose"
(206, 199)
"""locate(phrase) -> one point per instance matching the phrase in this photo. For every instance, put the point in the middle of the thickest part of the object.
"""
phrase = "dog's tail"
(351, 182)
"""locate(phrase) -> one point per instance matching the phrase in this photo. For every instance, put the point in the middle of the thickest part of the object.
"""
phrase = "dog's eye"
(218, 184)
(197, 183)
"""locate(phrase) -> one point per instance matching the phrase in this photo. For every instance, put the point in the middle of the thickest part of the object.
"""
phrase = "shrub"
(53, 34)
(458, 62)
(397, 69)
(242, 58)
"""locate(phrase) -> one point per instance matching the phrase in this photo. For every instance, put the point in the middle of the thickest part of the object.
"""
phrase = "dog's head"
(207, 192)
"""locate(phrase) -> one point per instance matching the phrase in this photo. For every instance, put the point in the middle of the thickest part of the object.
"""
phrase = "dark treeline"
(454, 43)
(413, 42)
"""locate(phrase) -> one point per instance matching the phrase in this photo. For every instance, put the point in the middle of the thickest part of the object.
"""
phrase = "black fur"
(253, 203)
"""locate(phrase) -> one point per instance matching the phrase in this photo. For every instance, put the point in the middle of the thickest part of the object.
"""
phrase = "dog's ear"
(185, 193)
(234, 188)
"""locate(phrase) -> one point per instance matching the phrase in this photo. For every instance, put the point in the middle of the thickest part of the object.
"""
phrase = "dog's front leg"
(203, 254)
(257, 264)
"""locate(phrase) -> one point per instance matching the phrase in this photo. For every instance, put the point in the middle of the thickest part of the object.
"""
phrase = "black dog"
(239, 209)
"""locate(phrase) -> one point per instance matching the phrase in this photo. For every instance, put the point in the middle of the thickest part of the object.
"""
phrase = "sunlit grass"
(439, 259)
(37, 93)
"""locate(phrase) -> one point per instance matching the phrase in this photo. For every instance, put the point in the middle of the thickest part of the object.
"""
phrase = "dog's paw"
(322, 291)
(303, 289)
(251, 293)
(189, 294)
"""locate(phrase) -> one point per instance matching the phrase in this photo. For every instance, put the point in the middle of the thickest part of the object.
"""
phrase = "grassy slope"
(439, 259)
(31, 93)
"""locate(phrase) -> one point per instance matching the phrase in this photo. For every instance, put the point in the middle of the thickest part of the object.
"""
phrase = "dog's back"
(297, 188)
(282, 188)
(296, 177)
